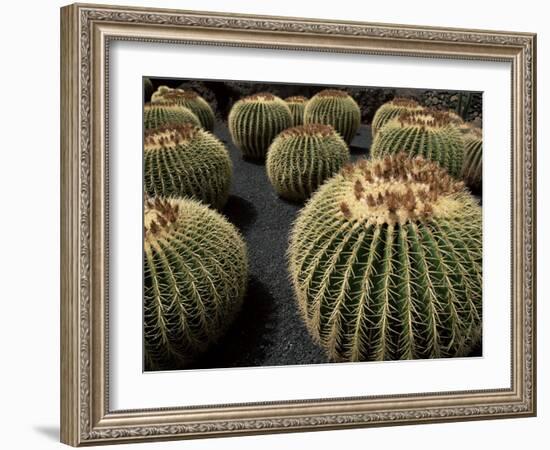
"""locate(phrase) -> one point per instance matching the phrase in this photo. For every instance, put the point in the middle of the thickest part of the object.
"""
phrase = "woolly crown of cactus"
(254, 121)
(303, 157)
(195, 276)
(297, 105)
(186, 161)
(385, 259)
(337, 108)
(189, 99)
(426, 133)
(391, 110)
(156, 115)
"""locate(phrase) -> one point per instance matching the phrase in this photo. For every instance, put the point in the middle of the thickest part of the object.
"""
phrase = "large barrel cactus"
(188, 99)
(472, 169)
(195, 277)
(297, 105)
(303, 157)
(386, 262)
(426, 133)
(186, 161)
(254, 121)
(162, 115)
(337, 108)
(392, 109)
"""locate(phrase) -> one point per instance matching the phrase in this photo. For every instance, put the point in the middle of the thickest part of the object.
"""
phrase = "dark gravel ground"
(268, 330)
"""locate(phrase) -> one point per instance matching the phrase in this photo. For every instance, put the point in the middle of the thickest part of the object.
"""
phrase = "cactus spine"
(254, 121)
(427, 133)
(392, 109)
(162, 115)
(472, 168)
(297, 104)
(386, 259)
(186, 161)
(303, 157)
(188, 99)
(336, 108)
(195, 276)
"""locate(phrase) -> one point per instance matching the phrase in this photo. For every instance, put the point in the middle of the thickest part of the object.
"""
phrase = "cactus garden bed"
(269, 330)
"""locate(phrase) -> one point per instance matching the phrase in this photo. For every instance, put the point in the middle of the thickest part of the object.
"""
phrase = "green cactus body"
(427, 133)
(386, 262)
(336, 108)
(254, 121)
(162, 115)
(148, 89)
(186, 161)
(391, 110)
(302, 158)
(472, 168)
(195, 277)
(297, 105)
(188, 99)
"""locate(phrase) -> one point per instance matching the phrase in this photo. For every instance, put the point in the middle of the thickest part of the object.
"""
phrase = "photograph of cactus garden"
(302, 224)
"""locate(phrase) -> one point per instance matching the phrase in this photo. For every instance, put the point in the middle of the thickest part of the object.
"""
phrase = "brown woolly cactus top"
(260, 97)
(332, 93)
(475, 132)
(159, 217)
(296, 99)
(398, 189)
(175, 94)
(170, 136)
(405, 102)
(425, 118)
(310, 129)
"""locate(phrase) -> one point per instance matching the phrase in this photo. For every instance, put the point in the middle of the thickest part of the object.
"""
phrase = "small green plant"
(157, 115)
(195, 277)
(297, 104)
(427, 133)
(336, 108)
(186, 161)
(392, 109)
(189, 99)
(386, 262)
(302, 158)
(254, 121)
(472, 168)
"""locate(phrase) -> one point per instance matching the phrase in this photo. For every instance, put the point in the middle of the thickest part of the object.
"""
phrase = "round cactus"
(157, 115)
(386, 262)
(472, 168)
(186, 161)
(391, 110)
(426, 133)
(302, 158)
(156, 97)
(254, 121)
(195, 276)
(189, 99)
(297, 104)
(336, 108)
(148, 89)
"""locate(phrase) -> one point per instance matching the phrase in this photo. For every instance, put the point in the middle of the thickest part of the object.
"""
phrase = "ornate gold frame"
(86, 31)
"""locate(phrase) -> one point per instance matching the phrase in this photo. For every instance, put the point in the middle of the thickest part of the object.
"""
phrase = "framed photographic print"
(278, 224)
